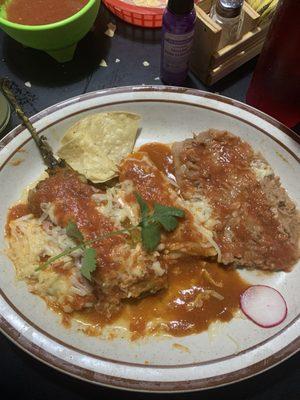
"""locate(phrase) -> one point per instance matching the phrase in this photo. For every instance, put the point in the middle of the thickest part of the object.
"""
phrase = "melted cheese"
(113, 204)
(203, 220)
(29, 241)
(261, 169)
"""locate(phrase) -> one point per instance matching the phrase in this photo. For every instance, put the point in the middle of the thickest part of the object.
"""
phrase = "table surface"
(21, 375)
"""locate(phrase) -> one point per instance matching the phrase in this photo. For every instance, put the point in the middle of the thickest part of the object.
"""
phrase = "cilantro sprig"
(152, 224)
(89, 262)
(89, 253)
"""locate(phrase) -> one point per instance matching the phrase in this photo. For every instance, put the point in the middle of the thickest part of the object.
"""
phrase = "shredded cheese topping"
(113, 205)
(261, 169)
(33, 239)
(202, 213)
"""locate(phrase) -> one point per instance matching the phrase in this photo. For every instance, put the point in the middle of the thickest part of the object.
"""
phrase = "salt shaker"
(229, 15)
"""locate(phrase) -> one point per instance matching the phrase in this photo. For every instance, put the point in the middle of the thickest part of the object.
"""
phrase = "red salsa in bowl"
(42, 12)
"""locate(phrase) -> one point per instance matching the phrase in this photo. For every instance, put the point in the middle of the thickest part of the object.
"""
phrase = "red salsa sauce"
(151, 183)
(42, 12)
(247, 224)
(15, 212)
(148, 180)
(161, 156)
(72, 198)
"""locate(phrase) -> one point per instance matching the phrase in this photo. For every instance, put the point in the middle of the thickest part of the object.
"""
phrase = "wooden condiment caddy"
(209, 62)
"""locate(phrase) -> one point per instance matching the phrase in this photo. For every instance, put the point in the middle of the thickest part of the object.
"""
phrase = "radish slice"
(263, 305)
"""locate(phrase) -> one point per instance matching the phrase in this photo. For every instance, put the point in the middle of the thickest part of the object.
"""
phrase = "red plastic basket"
(147, 17)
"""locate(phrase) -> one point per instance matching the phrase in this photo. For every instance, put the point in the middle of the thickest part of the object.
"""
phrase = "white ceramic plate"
(235, 350)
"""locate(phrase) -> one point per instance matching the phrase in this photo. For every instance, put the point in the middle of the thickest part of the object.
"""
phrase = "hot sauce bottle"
(177, 38)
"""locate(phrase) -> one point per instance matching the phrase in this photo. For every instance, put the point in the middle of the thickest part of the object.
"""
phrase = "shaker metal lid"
(180, 7)
(229, 8)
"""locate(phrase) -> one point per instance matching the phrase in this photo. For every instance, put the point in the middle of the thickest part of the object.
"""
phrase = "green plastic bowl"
(59, 39)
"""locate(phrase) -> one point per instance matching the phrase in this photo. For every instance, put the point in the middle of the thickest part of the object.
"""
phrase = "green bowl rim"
(48, 26)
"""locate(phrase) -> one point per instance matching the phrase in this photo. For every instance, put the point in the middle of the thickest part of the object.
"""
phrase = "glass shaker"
(229, 15)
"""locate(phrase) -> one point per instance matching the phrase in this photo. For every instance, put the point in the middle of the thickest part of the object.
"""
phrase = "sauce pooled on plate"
(198, 294)
(42, 12)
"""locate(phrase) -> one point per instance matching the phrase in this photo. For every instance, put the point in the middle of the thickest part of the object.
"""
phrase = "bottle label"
(177, 50)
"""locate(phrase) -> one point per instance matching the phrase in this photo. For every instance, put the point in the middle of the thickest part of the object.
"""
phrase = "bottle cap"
(180, 7)
(229, 8)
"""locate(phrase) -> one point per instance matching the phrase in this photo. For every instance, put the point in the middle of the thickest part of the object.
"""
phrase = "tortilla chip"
(96, 144)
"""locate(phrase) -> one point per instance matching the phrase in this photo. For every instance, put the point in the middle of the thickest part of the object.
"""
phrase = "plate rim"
(150, 88)
(125, 383)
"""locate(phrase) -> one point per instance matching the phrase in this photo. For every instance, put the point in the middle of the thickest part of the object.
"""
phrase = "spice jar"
(229, 15)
